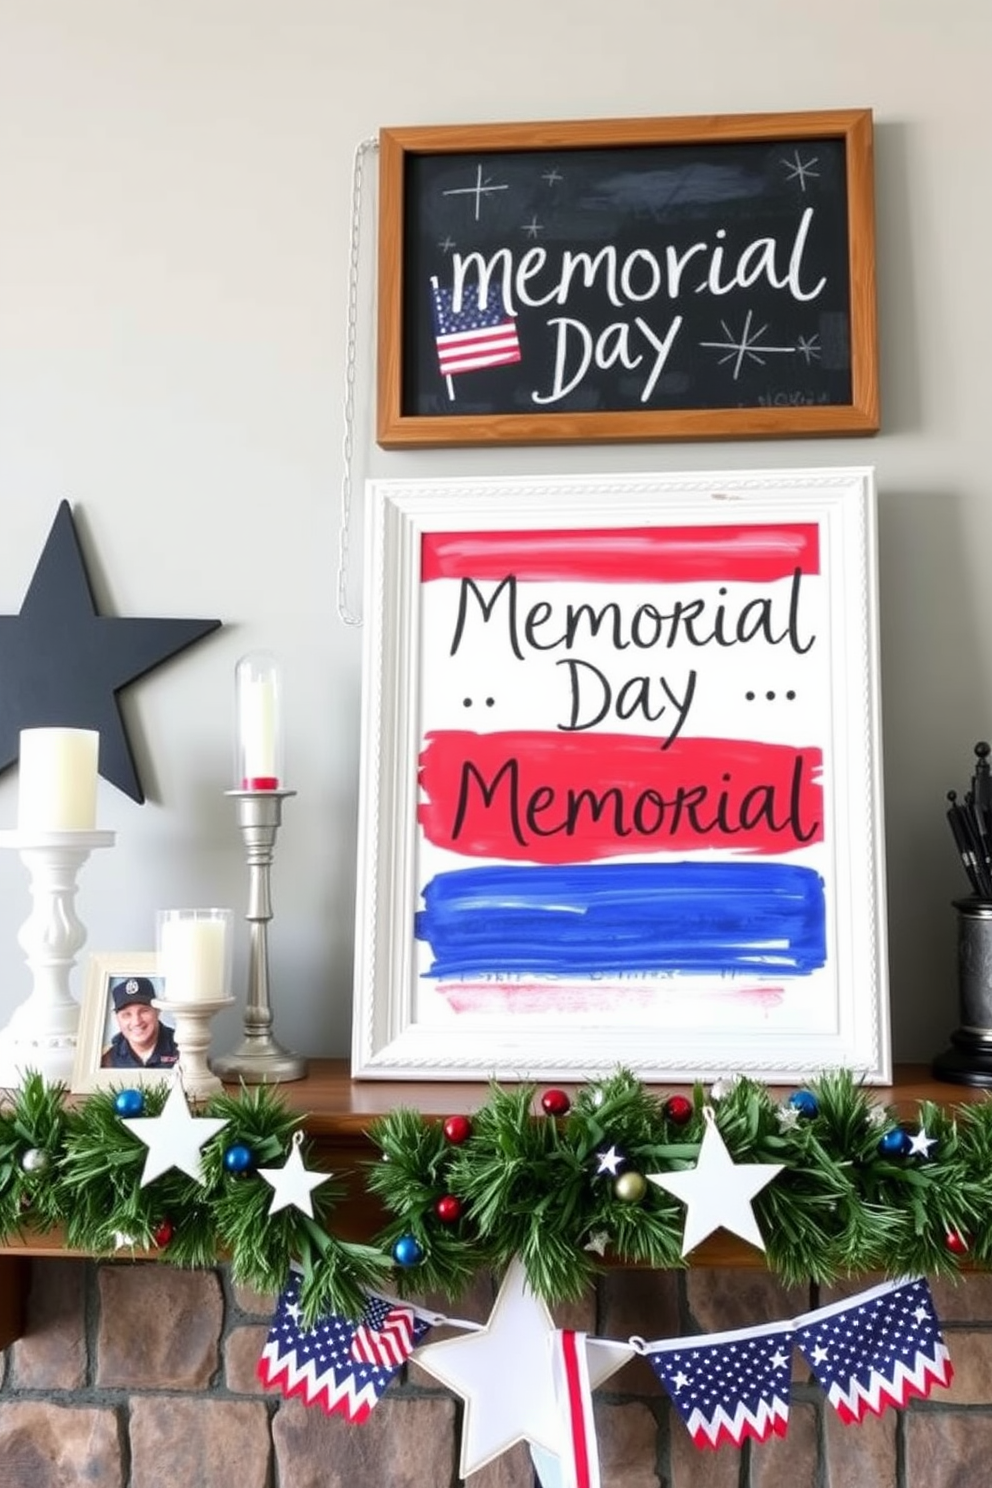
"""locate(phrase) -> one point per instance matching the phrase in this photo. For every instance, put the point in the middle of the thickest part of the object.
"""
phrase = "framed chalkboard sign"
(638, 279)
(620, 792)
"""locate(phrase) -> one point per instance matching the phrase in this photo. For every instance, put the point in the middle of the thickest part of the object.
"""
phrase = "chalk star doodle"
(749, 344)
(809, 349)
(532, 228)
(801, 170)
(479, 190)
(446, 245)
(552, 176)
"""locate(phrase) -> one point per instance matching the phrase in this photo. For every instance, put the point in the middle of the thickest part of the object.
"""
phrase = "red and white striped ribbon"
(579, 1456)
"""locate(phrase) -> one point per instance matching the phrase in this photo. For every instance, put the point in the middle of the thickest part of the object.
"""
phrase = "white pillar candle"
(57, 780)
(259, 742)
(193, 955)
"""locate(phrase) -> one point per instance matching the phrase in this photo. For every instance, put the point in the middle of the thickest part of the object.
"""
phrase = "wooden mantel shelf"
(338, 1112)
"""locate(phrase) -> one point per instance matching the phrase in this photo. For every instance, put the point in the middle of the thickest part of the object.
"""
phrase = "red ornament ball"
(448, 1208)
(162, 1234)
(555, 1103)
(678, 1108)
(457, 1129)
(956, 1243)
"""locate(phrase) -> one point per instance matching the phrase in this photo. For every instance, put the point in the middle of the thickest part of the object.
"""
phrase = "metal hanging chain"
(345, 612)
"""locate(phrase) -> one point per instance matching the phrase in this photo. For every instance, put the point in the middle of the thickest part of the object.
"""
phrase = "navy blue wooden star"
(62, 665)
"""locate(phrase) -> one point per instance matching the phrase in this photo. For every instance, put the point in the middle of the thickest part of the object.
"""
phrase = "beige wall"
(174, 226)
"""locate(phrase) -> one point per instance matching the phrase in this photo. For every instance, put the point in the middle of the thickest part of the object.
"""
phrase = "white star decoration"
(920, 1143)
(717, 1192)
(173, 1139)
(293, 1183)
(504, 1374)
(609, 1162)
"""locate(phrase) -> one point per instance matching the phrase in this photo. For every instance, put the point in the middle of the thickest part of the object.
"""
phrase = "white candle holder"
(192, 1034)
(41, 1034)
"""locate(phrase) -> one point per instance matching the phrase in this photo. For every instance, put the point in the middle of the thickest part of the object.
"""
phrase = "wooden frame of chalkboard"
(705, 277)
(620, 795)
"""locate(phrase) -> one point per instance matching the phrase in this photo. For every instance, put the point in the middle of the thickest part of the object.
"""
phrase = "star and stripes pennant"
(868, 1352)
(728, 1386)
(877, 1349)
(472, 336)
(340, 1364)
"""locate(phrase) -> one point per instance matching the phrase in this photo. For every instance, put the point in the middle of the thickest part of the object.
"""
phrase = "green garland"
(847, 1201)
(843, 1205)
(89, 1181)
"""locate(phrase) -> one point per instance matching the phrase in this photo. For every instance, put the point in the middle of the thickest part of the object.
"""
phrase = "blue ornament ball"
(239, 1158)
(894, 1143)
(406, 1251)
(805, 1102)
(129, 1102)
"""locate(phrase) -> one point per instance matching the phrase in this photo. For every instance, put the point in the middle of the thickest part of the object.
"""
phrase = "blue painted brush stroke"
(590, 919)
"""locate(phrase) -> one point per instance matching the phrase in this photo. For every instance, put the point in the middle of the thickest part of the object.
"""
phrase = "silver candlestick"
(259, 1059)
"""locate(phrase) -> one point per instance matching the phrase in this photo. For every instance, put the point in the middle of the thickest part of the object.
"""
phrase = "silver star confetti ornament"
(717, 1192)
(173, 1139)
(293, 1183)
(504, 1373)
(609, 1161)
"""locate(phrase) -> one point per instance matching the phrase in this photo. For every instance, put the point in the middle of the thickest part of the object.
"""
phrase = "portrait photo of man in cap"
(143, 1041)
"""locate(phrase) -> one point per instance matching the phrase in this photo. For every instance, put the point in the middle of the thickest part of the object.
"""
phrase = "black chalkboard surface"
(641, 279)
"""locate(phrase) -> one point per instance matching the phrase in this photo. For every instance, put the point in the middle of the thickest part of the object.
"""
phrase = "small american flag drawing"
(326, 1365)
(471, 338)
(876, 1349)
(385, 1335)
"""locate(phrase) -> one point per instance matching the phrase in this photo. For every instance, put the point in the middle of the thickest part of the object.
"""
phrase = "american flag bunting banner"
(342, 1365)
(877, 1349)
(728, 1386)
(471, 337)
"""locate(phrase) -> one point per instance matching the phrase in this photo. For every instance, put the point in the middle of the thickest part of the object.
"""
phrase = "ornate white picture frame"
(621, 787)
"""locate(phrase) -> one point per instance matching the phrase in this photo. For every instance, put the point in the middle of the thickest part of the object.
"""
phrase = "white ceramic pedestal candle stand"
(41, 1034)
(192, 1030)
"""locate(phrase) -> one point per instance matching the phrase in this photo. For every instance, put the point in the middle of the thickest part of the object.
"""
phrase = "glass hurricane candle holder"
(258, 763)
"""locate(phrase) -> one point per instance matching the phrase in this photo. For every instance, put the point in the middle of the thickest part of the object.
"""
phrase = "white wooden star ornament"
(920, 1143)
(717, 1192)
(293, 1183)
(173, 1139)
(505, 1374)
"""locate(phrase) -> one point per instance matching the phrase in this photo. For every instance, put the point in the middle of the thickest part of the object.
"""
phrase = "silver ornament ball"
(631, 1187)
(35, 1160)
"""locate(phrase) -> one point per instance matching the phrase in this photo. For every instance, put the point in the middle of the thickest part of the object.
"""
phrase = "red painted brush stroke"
(553, 798)
(753, 553)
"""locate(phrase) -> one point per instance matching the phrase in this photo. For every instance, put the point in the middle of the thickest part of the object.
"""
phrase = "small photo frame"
(120, 1027)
